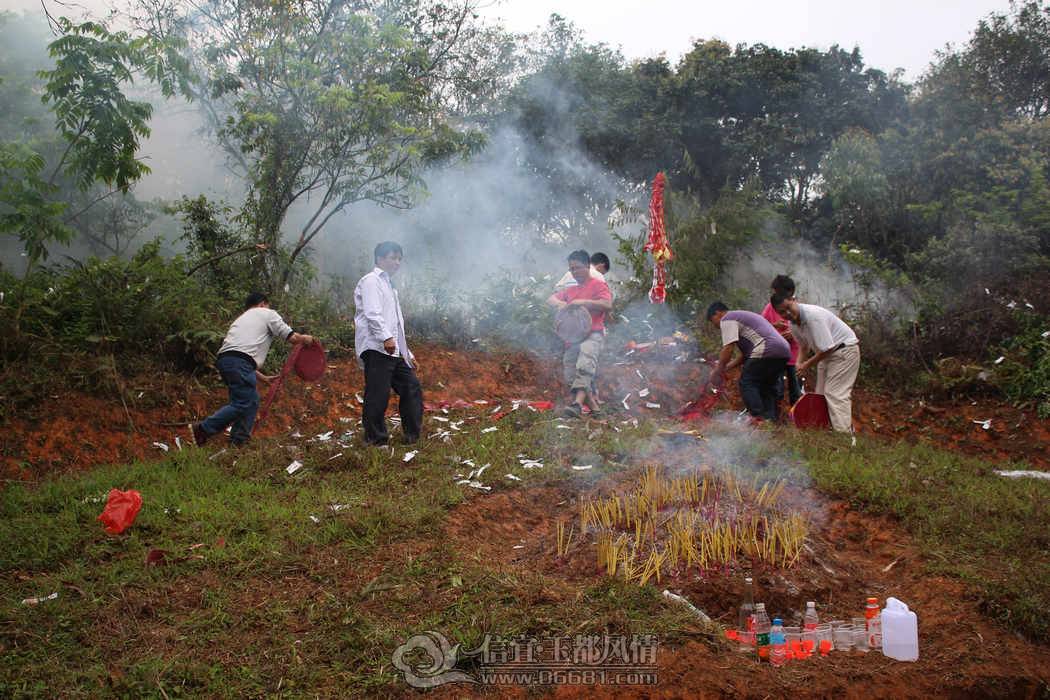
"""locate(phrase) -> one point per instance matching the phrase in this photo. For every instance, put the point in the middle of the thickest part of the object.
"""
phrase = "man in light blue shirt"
(383, 352)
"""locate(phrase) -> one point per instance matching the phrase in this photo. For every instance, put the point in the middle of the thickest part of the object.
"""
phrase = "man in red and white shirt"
(580, 361)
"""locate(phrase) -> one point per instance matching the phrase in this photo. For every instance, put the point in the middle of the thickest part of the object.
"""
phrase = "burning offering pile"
(668, 525)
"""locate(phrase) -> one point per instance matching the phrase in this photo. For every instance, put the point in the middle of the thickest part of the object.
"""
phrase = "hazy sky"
(890, 33)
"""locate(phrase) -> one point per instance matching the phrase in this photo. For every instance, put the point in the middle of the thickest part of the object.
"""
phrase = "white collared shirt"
(821, 330)
(378, 316)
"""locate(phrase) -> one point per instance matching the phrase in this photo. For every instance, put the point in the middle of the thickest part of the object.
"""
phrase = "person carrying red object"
(782, 284)
(836, 353)
(242, 354)
(580, 361)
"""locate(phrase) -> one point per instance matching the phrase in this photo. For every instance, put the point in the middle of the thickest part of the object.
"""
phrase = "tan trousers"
(580, 362)
(835, 377)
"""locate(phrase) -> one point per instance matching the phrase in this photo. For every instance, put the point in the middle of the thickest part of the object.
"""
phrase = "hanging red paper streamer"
(657, 244)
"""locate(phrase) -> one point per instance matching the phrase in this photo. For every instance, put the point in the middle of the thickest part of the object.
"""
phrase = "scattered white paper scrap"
(481, 402)
(1046, 334)
(336, 507)
(582, 467)
(161, 445)
(643, 393)
(481, 469)
(335, 456)
(497, 409)
(490, 430)
(359, 399)
(222, 451)
(1001, 358)
(409, 456)
(1018, 474)
(474, 484)
(624, 402)
(178, 443)
(518, 546)
(650, 404)
(141, 393)
(986, 424)
(1029, 306)
(559, 426)
(294, 467)
(297, 434)
(986, 290)
(512, 477)
(530, 463)
(38, 601)
(315, 518)
(440, 418)
(1012, 305)
(640, 375)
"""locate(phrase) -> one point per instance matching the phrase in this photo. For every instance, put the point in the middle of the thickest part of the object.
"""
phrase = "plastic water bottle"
(900, 631)
(810, 619)
(873, 623)
(777, 643)
(761, 631)
(746, 626)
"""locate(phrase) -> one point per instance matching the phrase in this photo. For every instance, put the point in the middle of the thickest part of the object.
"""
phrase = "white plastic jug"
(900, 631)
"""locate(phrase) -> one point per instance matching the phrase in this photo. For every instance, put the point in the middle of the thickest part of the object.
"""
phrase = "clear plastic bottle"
(761, 631)
(873, 620)
(746, 626)
(777, 643)
(810, 619)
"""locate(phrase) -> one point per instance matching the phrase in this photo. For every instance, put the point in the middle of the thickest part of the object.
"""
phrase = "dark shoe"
(375, 443)
(407, 440)
(572, 411)
(199, 436)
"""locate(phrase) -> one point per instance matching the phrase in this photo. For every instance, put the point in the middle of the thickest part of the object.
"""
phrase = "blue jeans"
(239, 375)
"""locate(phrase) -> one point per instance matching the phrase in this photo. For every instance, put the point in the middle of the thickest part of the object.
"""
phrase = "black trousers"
(758, 386)
(794, 388)
(382, 373)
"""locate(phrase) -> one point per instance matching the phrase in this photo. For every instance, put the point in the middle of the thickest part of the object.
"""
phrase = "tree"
(323, 103)
(98, 129)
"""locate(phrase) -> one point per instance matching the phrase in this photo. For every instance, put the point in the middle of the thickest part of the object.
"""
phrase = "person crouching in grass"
(580, 361)
(242, 353)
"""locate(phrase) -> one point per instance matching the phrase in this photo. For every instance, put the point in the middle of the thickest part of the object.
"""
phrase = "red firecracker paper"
(657, 244)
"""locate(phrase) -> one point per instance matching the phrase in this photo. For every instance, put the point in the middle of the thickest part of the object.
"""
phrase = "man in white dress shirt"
(383, 351)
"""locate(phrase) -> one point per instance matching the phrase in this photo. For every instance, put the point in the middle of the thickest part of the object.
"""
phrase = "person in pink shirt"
(782, 284)
(580, 361)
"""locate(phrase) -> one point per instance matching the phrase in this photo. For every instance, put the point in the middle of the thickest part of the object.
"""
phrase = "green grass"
(289, 606)
(273, 602)
(990, 531)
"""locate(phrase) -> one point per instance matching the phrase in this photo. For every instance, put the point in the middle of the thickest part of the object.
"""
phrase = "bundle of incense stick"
(666, 524)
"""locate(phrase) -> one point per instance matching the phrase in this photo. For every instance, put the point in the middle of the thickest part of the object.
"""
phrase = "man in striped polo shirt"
(763, 352)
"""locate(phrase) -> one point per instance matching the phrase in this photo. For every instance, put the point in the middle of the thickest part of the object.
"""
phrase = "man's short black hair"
(254, 299)
(580, 256)
(386, 248)
(601, 259)
(715, 308)
(782, 284)
(778, 299)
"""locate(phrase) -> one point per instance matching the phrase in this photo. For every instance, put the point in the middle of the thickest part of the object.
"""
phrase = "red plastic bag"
(120, 511)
